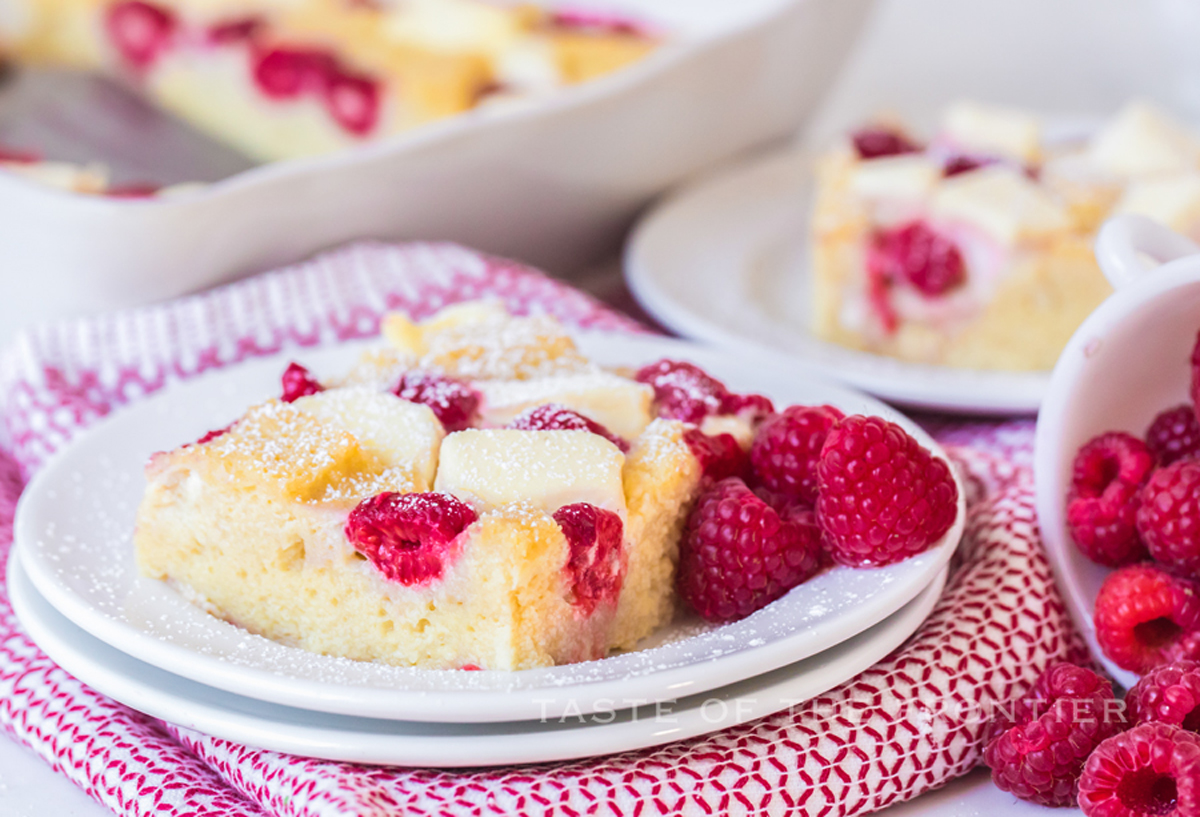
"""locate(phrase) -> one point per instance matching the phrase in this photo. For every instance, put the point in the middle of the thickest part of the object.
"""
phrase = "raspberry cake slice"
(285, 79)
(974, 249)
(398, 515)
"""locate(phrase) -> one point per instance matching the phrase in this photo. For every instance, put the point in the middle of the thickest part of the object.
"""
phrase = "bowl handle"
(1127, 242)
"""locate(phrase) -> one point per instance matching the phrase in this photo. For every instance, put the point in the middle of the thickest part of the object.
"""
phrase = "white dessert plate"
(727, 261)
(75, 520)
(365, 740)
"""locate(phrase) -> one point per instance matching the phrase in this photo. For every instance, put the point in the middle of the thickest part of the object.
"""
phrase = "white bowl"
(1127, 362)
(553, 183)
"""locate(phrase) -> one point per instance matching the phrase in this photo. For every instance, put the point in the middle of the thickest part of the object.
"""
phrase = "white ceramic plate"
(726, 261)
(364, 740)
(75, 518)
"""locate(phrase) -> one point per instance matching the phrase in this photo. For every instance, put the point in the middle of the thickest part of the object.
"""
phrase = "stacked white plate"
(74, 586)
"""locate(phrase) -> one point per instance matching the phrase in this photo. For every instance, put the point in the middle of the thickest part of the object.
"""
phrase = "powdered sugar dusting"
(500, 347)
(278, 442)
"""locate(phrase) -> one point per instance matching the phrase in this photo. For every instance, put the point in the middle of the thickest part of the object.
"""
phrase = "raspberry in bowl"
(1113, 422)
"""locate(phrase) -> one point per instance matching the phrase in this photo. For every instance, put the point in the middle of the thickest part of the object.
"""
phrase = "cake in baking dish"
(973, 249)
(286, 78)
(475, 493)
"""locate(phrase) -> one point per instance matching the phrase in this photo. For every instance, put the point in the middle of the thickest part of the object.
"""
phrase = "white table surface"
(1101, 53)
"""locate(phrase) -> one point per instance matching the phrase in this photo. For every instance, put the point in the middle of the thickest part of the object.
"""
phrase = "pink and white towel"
(907, 725)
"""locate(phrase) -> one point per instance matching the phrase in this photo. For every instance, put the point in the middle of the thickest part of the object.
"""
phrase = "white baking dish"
(552, 182)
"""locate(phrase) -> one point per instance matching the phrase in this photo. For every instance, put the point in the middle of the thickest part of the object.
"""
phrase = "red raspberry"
(1169, 516)
(683, 390)
(596, 564)
(297, 383)
(1174, 435)
(1153, 770)
(1103, 500)
(877, 142)
(1040, 746)
(286, 73)
(240, 30)
(209, 436)
(719, 455)
(1146, 617)
(753, 407)
(1169, 694)
(1195, 391)
(806, 517)
(787, 446)
(352, 100)
(737, 555)
(966, 162)
(453, 402)
(555, 417)
(408, 536)
(140, 31)
(881, 497)
(919, 255)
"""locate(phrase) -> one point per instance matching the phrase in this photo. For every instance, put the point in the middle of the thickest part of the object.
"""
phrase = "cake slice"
(974, 249)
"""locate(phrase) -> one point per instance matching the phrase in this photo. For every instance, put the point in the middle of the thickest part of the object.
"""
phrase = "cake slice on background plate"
(974, 249)
(280, 79)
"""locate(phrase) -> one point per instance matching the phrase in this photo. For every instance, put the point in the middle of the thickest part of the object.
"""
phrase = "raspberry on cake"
(280, 80)
(974, 249)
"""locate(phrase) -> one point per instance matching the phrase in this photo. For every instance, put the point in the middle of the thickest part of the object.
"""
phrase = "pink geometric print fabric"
(907, 725)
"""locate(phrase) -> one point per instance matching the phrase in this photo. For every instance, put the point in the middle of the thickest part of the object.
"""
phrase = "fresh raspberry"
(719, 455)
(408, 536)
(1103, 499)
(209, 436)
(286, 73)
(1174, 435)
(881, 497)
(1153, 770)
(958, 163)
(140, 31)
(737, 555)
(298, 382)
(787, 446)
(805, 516)
(239, 30)
(917, 254)
(1195, 390)
(753, 407)
(877, 142)
(1168, 518)
(353, 101)
(453, 402)
(1146, 617)
(1169, 694)
(683, 390)
(1041, 744)
(556, 417)
(596, 566)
